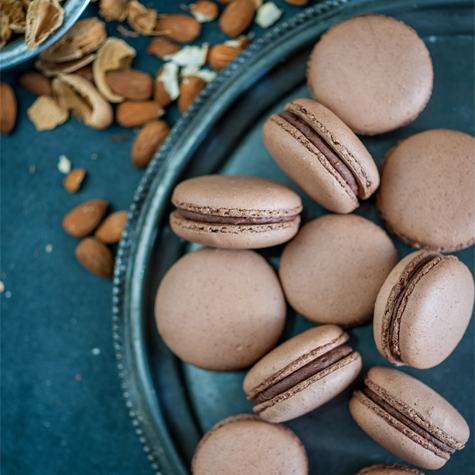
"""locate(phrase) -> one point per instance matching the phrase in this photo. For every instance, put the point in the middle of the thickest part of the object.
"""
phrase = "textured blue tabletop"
(62, 407)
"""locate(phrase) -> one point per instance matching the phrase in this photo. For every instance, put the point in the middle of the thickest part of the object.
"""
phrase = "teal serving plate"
(173, 404)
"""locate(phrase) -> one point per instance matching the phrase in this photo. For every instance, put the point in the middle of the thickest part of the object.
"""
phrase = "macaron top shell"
(333, 269)
(236, 196)
(372, 71)
(420, 403)
(434, 313)
(220, 310)
(426, 192)
(247, 445)
(393, 469)
(282, 358)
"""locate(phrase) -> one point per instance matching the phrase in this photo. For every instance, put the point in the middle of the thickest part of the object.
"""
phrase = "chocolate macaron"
(302, 374)
(423, 309)
(372, 71)
(386, 469)
(247, 445)
(426, 195)
(408, 418)
(235, 212)
(321, 155)
(220, 309)
(331, 272)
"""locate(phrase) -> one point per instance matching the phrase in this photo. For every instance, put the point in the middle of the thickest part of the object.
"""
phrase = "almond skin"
(74, 179)
(130, 83)
(85, 218)
(237, 16)
(190, 89)
(161, 47)
(181, 28)
(8, 109)
(220, 55)
(136, 113)
(96, 257)
(36, 83)
(111, 228)
(147, 142)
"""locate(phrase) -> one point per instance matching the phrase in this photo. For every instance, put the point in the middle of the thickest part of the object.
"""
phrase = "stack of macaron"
(223, 307)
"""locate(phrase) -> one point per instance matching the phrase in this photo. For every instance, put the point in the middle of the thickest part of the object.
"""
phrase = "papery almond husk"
(114, 54)
(81, 97)
(14, 11)
(46, 114)
(43, 17)
(5, 31)
(84, 37)
(112, 10)
(53, 69)
(141, 19)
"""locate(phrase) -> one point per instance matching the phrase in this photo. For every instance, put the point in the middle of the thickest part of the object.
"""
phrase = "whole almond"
(85, 218)
(237, 16)
(190, 89)
(220, 55)
(73, 180)
(131, 84)
(111, 228)
(204, 11)
(36, 83)
(8, 108)
(136, 113)
(96, 257)
(147, 142)
(181, 28)
(161, 48)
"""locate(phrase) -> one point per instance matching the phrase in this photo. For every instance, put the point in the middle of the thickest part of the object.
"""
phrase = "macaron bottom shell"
(386, 469)
(228, 236)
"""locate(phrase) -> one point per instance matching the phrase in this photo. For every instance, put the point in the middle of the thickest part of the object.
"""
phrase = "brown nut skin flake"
(42, 18)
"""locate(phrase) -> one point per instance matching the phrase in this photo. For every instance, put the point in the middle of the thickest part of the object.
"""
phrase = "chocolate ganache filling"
(335, 161)
(210, 218)
(304, 373)
(394, 339)
(406, 421)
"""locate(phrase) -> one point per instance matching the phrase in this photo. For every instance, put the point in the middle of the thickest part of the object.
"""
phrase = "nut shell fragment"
(53, 69)
(148, 141)
(84, 37)
(114, 54)
(113, 9)
(141, 19)
(46, 114)
(81, 97)
(42, 18)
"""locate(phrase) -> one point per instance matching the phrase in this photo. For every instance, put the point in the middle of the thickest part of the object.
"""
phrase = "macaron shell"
(236, 195)
(393, 469)
(421, 403)
(426, 192)
(437, 314)
(392, 439)
(295, 404)
(333, 269)
(325, 337)
(307, 167)
(228, 236)
(220, 310)
(342, 140)
(246, 445)
(373, 72)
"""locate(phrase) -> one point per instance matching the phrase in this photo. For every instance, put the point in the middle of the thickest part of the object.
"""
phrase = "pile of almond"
(87, 74)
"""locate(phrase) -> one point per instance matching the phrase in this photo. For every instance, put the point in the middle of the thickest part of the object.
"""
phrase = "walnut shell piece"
(42, 18)
(113, 55)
